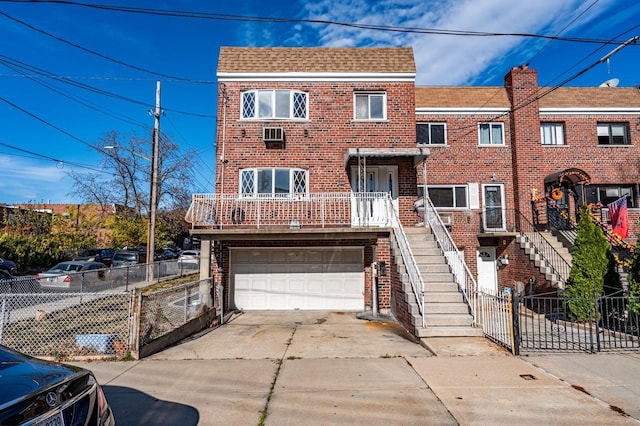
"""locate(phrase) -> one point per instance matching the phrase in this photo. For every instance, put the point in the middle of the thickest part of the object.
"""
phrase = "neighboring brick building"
(322, 153)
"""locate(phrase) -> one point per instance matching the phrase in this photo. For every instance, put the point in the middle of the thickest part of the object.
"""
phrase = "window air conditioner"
(447, 218)
(273, 134)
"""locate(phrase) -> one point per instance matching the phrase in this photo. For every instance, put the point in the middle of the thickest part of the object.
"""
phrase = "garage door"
(324, 279)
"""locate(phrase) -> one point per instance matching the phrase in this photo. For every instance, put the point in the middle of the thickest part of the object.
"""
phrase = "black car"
(38, 392)
(103, 255)
(9, 266)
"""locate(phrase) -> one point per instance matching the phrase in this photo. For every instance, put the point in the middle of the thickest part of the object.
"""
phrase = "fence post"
(515, 323)
(3, 316)
(597, 312)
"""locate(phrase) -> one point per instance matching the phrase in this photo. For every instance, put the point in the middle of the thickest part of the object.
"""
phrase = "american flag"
(619, 217)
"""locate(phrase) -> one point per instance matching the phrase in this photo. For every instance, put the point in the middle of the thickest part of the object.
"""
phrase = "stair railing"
(417, 284)
(461, 273)
(558, 264)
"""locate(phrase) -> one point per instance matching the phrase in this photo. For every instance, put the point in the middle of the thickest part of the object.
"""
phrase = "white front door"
(368, 209)
(487, 272)
(493, 208)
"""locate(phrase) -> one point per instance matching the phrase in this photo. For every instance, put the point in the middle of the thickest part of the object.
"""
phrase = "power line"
(100, 55)
(46, 157)
(229, 17)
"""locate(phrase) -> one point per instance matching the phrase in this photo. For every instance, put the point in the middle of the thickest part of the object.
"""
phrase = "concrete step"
(425, 269)
(426, 251)
(437, 277)
(446, 308)
(450, 332)
(448, 320)
(449, 287)
(409, 230)
(446, 297)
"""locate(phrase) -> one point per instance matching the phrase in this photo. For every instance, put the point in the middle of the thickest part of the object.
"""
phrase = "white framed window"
(431, 133)
(491, 133)
(273, 182)
(613, 134)
(274, 104)
(370, 106)
(448, 196)
(552, 133)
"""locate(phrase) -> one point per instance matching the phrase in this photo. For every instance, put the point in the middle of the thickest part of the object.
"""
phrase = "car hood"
(22, 375)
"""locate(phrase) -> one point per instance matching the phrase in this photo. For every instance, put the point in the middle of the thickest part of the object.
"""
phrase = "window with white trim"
(613, 133)
(491, 133)
(273, 182)
(447, 196)
(274, 104)
(431, 133)
(552, 133)
(370, 106)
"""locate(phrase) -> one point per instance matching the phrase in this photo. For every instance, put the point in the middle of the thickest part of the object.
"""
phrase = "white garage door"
(323, 278)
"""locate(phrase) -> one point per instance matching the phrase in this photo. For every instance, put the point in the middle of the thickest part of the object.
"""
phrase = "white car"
(189, 259)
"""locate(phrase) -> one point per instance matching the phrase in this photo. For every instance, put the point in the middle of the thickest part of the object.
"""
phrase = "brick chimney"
(521, 84)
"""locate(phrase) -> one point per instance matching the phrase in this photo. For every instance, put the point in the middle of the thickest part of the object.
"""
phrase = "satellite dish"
(610, 83)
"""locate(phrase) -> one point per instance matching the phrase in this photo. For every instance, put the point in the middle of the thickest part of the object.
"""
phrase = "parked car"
(73, 275)
(132, 260)
(128, 258)
(189, 258)
(9, 266)
(12, 284)
(38, 392)
(104, 255)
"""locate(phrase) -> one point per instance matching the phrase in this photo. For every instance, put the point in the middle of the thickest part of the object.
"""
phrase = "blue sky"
(48, 124)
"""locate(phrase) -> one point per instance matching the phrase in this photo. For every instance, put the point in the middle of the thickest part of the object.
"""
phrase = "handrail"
(560, 267)
(455, 259)
(417, 284)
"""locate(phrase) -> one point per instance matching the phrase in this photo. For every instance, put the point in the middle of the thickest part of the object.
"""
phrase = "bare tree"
(127, 177)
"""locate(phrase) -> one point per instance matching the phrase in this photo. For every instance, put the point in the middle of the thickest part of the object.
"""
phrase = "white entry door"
(487, 272)
(373, 179)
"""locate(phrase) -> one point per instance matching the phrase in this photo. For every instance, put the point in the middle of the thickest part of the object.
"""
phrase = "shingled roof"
(461, 97)
(496, 97)
(316, 60)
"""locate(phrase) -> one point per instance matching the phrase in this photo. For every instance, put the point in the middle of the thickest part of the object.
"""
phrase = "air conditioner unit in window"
(447, 218)
(273, 134)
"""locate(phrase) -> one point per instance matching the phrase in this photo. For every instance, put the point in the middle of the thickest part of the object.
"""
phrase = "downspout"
(223, 160)
(374, 281)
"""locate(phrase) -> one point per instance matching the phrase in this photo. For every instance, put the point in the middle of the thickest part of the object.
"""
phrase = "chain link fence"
(163, 311)
(66, 325)
(121, 278)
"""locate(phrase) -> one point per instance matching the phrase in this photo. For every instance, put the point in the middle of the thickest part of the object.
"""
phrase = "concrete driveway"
(318, 368)
(278, 368)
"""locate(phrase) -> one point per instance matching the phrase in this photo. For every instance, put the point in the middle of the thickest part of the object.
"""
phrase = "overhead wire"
(230, 17)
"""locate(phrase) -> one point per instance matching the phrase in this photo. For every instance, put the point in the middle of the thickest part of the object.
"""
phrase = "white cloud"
(24, 180)
(449, 60)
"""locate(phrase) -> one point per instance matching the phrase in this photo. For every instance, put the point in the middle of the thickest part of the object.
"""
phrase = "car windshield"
(125, 256)
(67, 267)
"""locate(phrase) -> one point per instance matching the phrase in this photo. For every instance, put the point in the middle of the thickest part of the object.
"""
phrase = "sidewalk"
(324, 368)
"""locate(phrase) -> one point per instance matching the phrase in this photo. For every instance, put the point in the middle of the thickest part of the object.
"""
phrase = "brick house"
(323, 155)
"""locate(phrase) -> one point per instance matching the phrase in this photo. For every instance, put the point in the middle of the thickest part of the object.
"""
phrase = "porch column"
(205, 258)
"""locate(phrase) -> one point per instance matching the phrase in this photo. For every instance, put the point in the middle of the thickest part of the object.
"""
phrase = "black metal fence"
(543, 324)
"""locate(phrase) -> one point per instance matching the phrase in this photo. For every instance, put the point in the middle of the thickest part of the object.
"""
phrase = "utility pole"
(151, 238)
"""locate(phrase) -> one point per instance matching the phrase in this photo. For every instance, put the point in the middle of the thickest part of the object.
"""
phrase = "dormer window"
(274, 104)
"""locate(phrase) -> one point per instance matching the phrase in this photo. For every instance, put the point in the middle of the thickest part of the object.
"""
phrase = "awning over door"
(418, 154)
(569, 177)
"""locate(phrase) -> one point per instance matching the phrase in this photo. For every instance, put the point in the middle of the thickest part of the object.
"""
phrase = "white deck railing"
(319, 210)
(455, 259)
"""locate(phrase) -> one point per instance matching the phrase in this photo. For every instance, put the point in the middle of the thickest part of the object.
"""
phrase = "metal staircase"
(446, 313)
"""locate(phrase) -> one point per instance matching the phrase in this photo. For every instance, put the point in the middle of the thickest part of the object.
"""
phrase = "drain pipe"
(374, 283)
